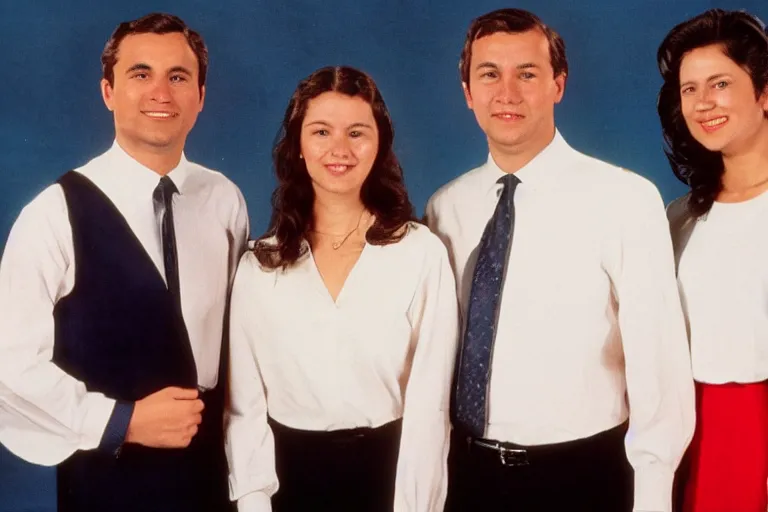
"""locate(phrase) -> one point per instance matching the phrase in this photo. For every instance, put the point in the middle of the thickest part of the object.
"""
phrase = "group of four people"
(525, 350)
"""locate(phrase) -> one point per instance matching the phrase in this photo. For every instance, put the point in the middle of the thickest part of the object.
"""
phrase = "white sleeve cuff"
(653, 488)
(255, 502)
(98, 410)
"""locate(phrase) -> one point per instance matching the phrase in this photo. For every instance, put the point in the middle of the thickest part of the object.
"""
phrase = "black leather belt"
(508, 456)
(514, 455)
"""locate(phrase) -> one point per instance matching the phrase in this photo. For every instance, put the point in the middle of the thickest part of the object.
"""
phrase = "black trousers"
(142, 479)
(585, 475)
(341, 470)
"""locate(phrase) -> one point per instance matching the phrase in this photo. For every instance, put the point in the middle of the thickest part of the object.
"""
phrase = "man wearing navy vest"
(113, 291)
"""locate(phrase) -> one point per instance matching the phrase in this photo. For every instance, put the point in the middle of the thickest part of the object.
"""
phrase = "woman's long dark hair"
(383, 193)
(744, 41)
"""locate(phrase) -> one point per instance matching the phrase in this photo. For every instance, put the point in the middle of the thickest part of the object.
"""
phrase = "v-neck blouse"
(323, 288)
(383, 350)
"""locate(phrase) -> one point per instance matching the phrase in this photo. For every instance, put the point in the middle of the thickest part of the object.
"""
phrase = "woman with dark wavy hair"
(714, 113)
(344, 322)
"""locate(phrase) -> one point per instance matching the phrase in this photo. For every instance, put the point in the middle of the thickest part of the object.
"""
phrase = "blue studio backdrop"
(52, 117)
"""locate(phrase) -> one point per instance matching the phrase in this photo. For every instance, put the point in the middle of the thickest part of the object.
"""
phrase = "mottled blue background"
(52, 117)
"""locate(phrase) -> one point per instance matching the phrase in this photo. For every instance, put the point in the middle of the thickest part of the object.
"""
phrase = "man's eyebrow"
(486, 65)
(179, 69)
(138, 67)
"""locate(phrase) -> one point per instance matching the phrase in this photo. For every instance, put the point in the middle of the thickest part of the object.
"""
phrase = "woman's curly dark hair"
(744, 40)
(383, 193)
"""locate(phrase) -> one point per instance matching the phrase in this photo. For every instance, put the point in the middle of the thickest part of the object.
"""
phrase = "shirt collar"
(536, 174)
(139, 179)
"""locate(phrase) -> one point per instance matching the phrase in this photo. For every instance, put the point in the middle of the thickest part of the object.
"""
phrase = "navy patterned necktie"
(163, 198)
(474, 365)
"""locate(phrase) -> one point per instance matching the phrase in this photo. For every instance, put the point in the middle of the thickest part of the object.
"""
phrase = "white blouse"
(383, 350)
(723, 279)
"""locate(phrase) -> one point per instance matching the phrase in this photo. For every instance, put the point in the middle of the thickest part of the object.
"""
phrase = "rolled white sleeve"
(658, 369)
(421, 483)
(249, 442)
(45, 414)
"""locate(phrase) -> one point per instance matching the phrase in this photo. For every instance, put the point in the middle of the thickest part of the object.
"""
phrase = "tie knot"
(509, 180)
(164, 191)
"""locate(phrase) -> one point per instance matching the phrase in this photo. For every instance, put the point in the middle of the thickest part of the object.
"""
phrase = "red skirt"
(729, 451)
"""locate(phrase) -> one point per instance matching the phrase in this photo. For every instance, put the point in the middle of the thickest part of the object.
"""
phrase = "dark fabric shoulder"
(678, 209)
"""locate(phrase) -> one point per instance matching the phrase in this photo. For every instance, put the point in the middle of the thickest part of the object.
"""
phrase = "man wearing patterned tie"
(573, 388)
(113, 287)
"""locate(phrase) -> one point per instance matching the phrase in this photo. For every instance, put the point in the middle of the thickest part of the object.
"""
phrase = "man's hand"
(166, 419)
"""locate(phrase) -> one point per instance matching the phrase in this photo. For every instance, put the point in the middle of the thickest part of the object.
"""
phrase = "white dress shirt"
(46, 414)
(723, 278)
(383, 350)
(589, 312)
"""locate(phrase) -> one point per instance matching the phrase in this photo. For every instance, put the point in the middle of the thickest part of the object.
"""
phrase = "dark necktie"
(474, 365)
(163, 198)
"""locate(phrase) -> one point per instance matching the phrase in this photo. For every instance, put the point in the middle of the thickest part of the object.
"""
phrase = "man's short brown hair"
(155, 23)
(513, 21)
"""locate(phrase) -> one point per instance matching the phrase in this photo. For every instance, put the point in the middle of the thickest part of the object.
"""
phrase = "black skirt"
(336, 470)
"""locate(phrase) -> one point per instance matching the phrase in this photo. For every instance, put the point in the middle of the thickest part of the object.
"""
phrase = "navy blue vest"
(119, 332)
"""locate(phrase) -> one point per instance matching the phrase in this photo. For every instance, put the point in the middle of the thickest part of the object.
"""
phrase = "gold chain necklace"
(337, 245)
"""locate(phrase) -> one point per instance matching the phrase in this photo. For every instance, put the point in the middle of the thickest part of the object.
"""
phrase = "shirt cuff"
(653, 489)
(98, 410)
(255, 502)
(117, 427)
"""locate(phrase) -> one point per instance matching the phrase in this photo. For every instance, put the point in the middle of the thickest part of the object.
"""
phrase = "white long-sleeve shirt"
(46, 414)
(589, 311)
(383, 350)
(723, 279)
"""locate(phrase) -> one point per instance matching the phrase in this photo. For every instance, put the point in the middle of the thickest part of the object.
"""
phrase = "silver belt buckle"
(512, 457)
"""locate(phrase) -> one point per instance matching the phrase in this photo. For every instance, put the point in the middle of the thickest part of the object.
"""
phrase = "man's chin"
(507, 140)
(161, 143)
